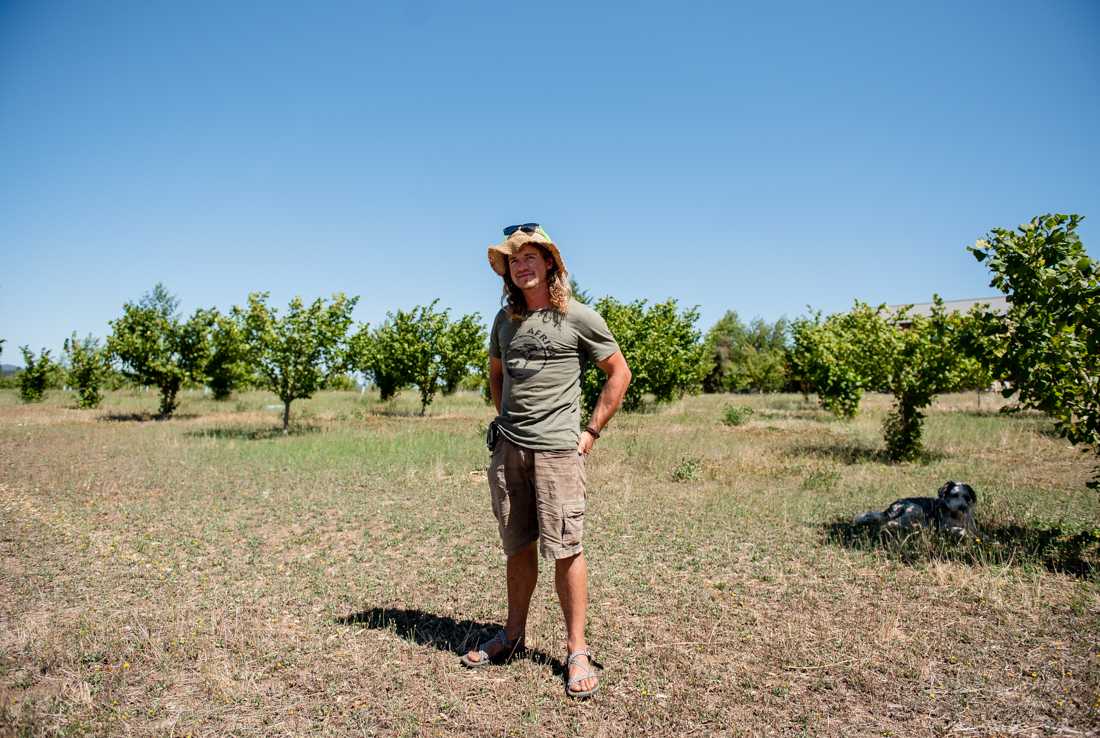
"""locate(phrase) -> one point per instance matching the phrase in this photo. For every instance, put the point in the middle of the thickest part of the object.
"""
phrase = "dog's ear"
(945, 489)
(971, 495)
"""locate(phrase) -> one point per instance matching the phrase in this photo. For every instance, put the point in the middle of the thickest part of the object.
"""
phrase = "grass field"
(208, 576)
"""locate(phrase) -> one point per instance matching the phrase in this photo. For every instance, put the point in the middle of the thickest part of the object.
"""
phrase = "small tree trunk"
(286, 417)
(168, 402)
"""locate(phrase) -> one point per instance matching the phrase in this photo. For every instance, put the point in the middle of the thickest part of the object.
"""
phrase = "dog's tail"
(870, 517)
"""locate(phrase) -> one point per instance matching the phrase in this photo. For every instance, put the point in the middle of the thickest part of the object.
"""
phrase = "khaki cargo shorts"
(538, 496)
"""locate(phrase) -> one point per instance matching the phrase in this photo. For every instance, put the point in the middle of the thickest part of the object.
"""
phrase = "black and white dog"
(950, 511)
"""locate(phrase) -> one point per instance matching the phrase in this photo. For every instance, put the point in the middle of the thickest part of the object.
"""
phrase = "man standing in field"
(538, 348)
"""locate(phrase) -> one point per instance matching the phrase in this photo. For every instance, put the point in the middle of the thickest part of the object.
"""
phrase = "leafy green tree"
(88, 367)
(154, 347)
(868, 349)
(981, 343)
(660, 344)
(227, 368)
(1051, 333)
(408, 349)
(375, 354)
(421, 347)
(423, 337)
(36, 375)
(341, 382)
(722, 342)
(294, 354)
(744, 358)
(925, 361)
(463, 350)
(826, 359)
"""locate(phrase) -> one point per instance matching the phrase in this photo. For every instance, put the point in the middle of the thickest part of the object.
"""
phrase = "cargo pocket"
(572, 523)
(498, 493)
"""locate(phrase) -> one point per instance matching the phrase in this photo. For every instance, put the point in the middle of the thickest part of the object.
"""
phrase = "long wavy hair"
(515, 306)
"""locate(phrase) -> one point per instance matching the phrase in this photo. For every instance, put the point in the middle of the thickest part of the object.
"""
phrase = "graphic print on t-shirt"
(527, 354)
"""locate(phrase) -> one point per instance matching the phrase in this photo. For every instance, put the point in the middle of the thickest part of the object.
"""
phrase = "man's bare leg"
(522, 571)
(571, 581)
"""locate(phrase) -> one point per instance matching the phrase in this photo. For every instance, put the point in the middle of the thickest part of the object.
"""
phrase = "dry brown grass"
(204, 576)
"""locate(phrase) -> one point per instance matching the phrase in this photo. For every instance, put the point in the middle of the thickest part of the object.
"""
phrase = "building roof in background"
(997, 304)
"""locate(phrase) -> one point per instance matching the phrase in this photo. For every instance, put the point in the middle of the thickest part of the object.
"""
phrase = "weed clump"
(687, 470)
(823, 480)
(736, 414)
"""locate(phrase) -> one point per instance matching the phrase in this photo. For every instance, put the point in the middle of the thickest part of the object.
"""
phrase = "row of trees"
(912, 357)
(292, 354)
(1045, 349)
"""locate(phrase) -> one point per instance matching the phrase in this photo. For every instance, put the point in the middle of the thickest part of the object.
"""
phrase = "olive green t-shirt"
(544, 356)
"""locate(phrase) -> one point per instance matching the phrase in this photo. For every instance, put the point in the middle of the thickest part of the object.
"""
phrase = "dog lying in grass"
(952, 511)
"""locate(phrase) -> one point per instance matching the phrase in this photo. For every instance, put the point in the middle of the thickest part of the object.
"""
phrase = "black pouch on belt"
(491, 435)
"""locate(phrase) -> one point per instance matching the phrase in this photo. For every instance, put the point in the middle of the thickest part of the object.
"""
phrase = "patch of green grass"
(688, 469)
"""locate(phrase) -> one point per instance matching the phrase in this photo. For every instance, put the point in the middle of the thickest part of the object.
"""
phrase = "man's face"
(528, 267)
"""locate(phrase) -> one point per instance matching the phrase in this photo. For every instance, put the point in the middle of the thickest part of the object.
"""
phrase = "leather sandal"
(505, 649)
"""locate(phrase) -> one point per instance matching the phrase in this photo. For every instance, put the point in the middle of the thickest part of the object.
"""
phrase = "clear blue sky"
(749, 156)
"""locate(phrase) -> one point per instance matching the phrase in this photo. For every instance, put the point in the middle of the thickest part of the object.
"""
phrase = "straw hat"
(499, 253)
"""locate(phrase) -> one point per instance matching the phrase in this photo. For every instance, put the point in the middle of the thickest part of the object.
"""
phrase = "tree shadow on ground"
(849, 453)
(396, 412)
(1058, 549)
(252, 434)
(141, 417)
(440, 632)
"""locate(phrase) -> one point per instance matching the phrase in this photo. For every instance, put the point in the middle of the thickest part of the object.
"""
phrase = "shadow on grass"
(1057, 549)
(252, 434)
(141, 417)
(395, 412)
(439, 631)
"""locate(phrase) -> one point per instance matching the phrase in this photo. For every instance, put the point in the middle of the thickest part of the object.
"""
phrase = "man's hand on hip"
(585, 444)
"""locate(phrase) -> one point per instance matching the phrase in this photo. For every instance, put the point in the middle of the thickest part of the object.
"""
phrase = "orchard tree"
(722, 342)
(660, 344)
(981, 343)
(423, 339)
(464, 351)
(408, 349)
(925, 361)
(829, 356)
(912, 357)
(293, 354)
(376, 354)
(155, 347)
(36, 375)
(227, 368)
(1051, 333)
(746, 358)
(88, 367)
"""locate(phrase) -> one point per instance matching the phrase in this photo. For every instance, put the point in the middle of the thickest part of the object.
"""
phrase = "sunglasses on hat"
(526, 228)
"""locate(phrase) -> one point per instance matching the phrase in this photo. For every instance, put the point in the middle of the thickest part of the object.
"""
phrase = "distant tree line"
(1044, 350)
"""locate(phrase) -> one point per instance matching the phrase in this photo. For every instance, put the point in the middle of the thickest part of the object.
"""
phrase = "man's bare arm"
(496, 380)
(611, 397)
